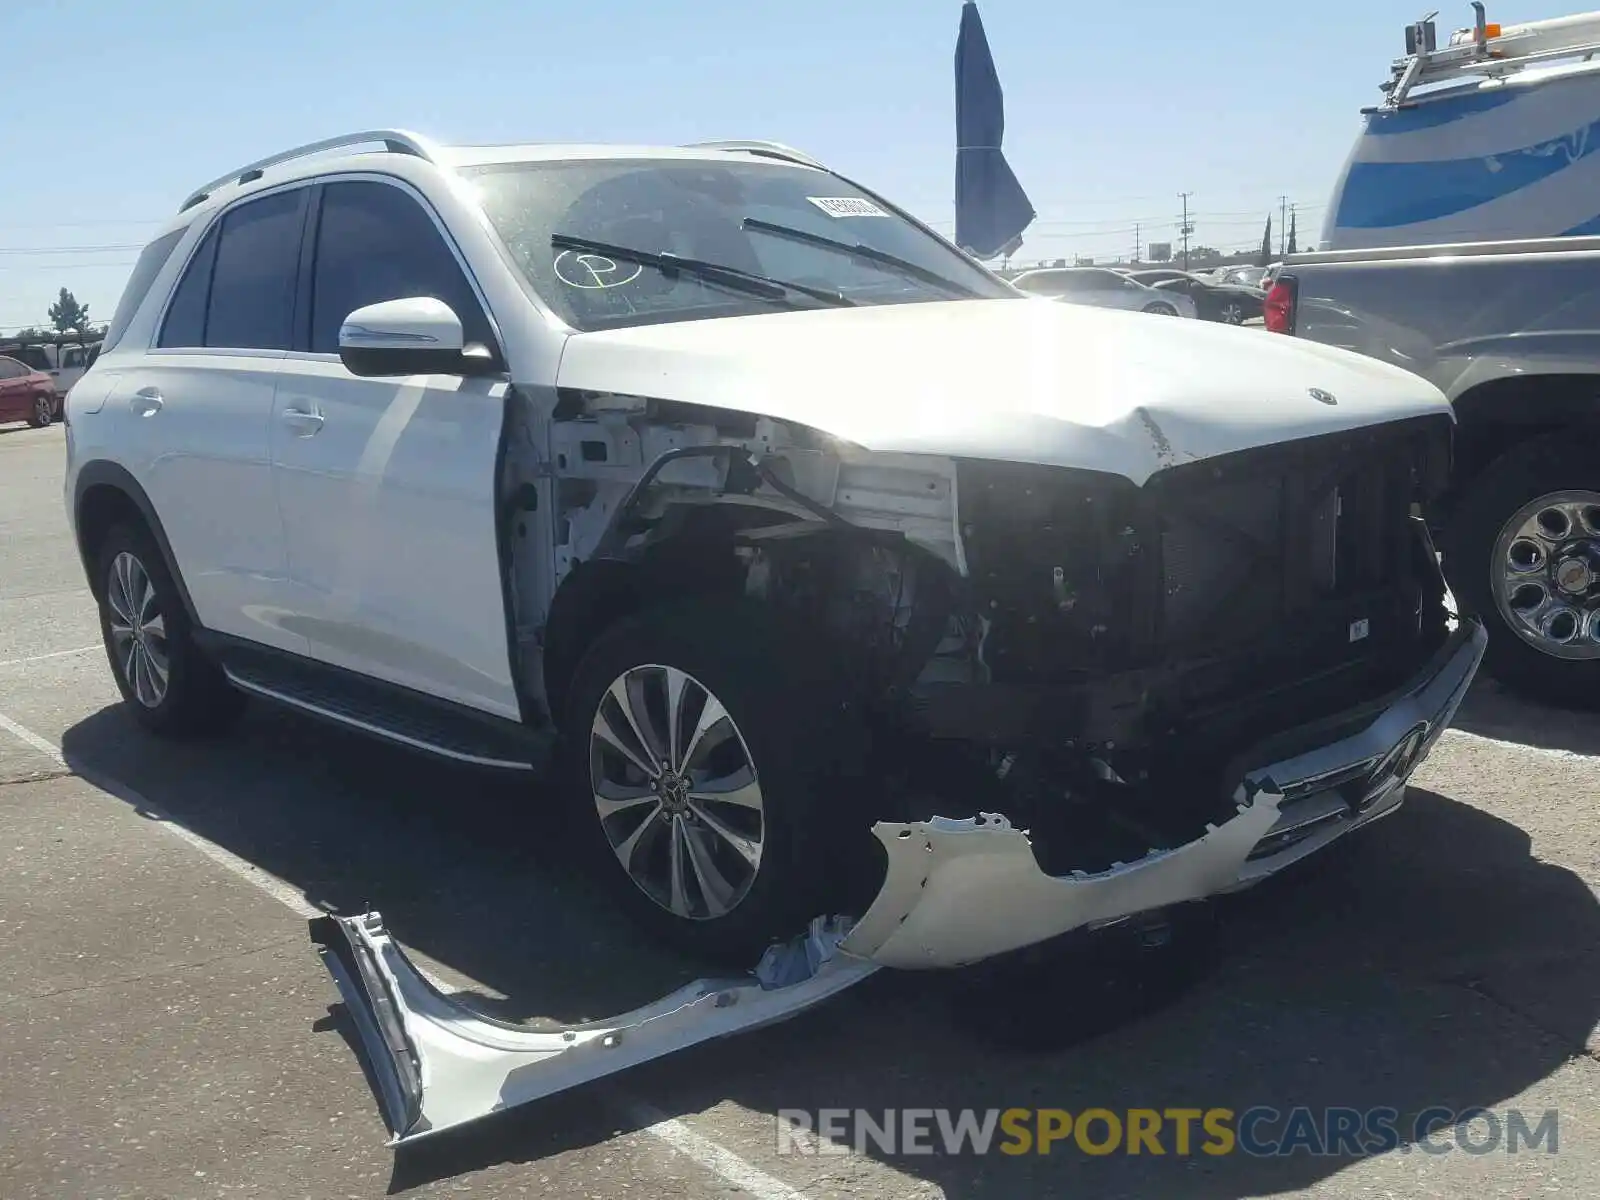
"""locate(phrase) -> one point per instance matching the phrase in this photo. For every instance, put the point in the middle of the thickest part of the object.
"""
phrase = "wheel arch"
(699, 558)
(1499, 416)
(105, 493)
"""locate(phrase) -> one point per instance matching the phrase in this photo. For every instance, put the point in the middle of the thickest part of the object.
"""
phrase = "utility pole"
(1185, 229)
(1136, 241)
(1283, 225)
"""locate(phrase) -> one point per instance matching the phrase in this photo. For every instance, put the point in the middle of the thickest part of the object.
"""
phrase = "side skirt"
(378, 708)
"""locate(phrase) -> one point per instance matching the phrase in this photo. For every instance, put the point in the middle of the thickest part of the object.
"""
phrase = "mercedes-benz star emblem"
(1396, 766)
(1324, 397)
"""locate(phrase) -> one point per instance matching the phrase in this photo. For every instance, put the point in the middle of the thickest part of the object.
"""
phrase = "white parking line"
(33, 658)
(713, 1156)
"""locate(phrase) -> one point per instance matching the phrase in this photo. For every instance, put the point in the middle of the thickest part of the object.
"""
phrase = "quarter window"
(151, 259)
(11, 369)
(376, 243)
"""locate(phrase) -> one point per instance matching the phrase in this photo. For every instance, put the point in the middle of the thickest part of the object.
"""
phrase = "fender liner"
(104, 473)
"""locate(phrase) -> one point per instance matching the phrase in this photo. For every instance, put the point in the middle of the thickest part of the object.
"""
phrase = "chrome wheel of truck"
(1521, 546)
(1546, 566)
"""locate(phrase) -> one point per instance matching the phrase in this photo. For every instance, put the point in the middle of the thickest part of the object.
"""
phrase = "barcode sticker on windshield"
(847, 206)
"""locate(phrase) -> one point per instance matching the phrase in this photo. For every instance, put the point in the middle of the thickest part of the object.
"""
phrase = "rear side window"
(151, 259)
(251, 306)
(11, 369)
(185, 323)
(376, 243)
(34, 357)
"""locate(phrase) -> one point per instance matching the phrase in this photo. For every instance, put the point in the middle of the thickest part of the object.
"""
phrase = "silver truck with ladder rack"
(1463, 243)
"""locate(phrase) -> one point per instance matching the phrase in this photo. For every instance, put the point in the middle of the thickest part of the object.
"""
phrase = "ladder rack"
(395, 141)
(1486, 49)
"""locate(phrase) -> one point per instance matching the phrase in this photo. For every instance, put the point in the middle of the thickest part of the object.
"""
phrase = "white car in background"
(1103, 288)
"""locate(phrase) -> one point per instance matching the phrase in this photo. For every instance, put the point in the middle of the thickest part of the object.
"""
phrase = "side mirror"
(414, 336)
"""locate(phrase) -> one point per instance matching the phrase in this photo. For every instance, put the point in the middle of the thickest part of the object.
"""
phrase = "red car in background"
(26, 394)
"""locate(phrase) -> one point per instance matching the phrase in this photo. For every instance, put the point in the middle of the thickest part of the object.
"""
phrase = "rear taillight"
(1278, 310)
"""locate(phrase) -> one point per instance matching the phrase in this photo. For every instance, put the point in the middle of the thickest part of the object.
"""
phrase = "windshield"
(714, 213)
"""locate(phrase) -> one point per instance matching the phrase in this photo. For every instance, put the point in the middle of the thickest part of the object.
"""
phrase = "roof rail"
(395, 141)
(768, 149)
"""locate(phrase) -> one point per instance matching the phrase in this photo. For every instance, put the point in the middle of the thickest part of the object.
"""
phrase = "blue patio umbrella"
(992, 210)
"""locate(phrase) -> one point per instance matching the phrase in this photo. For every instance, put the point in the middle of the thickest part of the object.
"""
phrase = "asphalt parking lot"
(170, 1032)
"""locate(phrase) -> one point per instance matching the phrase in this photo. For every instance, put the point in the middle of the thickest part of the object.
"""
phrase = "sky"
(1111, 110)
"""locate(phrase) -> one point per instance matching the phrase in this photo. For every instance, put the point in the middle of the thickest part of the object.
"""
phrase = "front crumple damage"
(955, 892)
(436, 1064)
(960, 891)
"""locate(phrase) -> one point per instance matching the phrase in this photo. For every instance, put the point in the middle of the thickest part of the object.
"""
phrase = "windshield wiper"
(730, 277)
(862, 251)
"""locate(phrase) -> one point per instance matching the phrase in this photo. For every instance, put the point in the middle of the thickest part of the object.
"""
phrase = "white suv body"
(660, 456)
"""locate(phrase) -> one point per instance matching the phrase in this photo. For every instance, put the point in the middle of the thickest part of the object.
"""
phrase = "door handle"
(146, 402)
(305, 422)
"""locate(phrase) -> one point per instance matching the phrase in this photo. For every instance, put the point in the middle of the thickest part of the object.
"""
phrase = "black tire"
(42, 412)
(197, 699)
(1161, 309)
(784, 691)
(1474, 525)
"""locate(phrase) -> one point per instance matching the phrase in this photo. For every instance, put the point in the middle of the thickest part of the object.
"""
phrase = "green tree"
(67, 315)
(1266, 245)
(1291, 249)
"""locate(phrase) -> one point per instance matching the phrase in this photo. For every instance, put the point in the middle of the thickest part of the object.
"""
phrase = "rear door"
(387, 486)
(198, 406)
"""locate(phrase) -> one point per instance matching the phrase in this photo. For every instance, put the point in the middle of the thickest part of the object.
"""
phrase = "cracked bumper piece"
(959, 891)
(437, 1064)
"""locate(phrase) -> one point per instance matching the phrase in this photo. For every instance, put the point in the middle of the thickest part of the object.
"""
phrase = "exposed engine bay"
(1094, 659)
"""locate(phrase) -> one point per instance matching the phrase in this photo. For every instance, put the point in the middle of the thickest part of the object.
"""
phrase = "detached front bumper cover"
(955, 892)
(437, 1064)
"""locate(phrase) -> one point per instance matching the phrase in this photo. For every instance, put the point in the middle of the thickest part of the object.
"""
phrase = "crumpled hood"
(1016, 380)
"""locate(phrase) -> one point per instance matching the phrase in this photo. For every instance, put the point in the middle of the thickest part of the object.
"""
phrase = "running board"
(380, 709)
(413, 1034)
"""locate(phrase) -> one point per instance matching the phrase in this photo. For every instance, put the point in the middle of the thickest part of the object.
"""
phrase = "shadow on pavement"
(1493, 711)
(1429, 961)
(468, 868)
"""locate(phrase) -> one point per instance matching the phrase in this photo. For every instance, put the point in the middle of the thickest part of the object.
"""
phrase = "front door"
(387, 486)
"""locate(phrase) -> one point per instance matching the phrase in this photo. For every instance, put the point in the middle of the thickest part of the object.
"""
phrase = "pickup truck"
(1461, 244)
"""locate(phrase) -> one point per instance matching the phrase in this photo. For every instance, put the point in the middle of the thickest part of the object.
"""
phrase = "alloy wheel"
(676, 791)
(44, 409)
(1545, 574)
(138, 630)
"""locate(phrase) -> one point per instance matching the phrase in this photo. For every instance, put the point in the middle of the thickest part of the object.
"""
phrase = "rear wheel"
(1523, 551)
(168, 684)
(705, 745)
(43, 411)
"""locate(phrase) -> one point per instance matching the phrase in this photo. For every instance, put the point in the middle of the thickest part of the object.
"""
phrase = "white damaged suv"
(788, 536)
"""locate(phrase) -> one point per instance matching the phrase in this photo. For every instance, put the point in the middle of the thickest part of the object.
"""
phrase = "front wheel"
(43, 411)
(1523, 551)
(1232, 313)
(704, 745)
(1161, 309)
